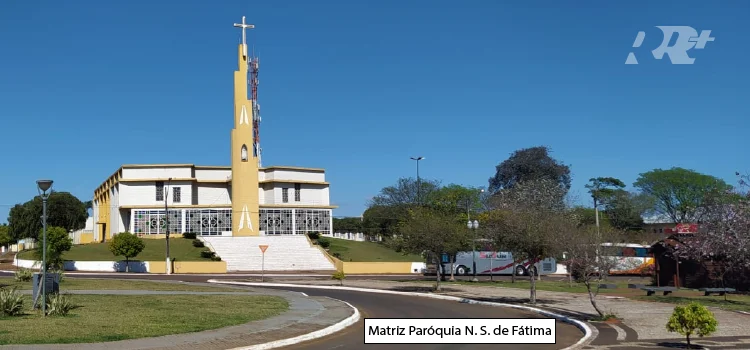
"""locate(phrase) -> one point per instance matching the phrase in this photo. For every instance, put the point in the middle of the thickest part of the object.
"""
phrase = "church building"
(241, 199)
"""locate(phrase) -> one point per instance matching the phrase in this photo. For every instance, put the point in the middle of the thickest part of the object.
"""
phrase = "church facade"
(242, 199)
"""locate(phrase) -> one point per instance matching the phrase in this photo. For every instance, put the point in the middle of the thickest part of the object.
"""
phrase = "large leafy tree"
(625, 210)
(4, 236)
(531, 217)
(406, 191)
(351, 224)
(530, 164)
(63, 210)
(681, 194)
(603, 188)
(433, 231)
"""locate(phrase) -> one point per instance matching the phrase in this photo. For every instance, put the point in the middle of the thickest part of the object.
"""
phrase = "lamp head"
(44, 185)
(417, 158)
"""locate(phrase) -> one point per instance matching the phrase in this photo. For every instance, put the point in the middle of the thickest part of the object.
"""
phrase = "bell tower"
(245, 153)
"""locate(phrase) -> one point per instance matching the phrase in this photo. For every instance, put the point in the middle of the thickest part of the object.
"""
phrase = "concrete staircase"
(284, 253)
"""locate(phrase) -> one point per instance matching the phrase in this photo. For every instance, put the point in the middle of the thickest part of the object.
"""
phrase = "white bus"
(630, 259)
(495, 263)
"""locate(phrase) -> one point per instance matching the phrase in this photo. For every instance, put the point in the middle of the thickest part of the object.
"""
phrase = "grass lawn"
(733, 302)
(551, 286)
(100, 318)
(180, 249)
(367, 251)
(112, 284)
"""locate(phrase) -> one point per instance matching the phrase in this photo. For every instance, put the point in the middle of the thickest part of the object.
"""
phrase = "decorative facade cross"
(244, 27)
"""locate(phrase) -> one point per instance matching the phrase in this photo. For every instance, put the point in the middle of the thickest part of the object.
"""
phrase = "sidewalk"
(305, 315)
(642, 322)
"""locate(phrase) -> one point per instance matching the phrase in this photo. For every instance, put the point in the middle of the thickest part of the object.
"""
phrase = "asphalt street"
(372, 305)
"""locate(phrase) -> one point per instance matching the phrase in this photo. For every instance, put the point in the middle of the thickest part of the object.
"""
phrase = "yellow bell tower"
(245, 152)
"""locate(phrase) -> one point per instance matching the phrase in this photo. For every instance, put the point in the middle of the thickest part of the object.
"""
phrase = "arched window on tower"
(243, 154)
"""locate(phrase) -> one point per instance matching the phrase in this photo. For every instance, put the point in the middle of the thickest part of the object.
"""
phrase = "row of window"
(297, 193)
(212, 222)
(177, 193)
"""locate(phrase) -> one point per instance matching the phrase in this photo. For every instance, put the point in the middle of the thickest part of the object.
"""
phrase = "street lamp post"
(43, 186)
(473, 226)
(419, 183)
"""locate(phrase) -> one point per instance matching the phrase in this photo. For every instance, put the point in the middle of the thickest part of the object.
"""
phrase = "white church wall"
(298, 175)
(213, 194)
(213, 174)
(144, 193)
(157, 173)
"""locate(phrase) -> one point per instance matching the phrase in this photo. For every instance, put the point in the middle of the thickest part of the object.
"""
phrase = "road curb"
(590, 333)
(354, 318)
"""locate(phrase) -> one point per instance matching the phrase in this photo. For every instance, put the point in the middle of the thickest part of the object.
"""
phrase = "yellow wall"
(245, 206)
(376, 267)
(157, 267)
(200, 267)
(189, 267)
(86, 238)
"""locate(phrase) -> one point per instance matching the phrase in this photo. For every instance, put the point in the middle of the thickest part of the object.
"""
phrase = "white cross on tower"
(244, 27)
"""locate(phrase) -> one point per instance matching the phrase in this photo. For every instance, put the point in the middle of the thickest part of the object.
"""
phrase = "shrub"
(59, 305)
(337, 255)
(58, 242)
(128, 245)
(340, 276)
(198, 244)
(313, 235)
(324, 243)
(216, 258)
(23, 275)
(690, 319)
(60, 273)
(207, 254)
(11, 302)
(189, 235)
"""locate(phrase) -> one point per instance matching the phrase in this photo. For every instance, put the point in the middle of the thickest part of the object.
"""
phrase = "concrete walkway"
(305, 315)
(641, 321)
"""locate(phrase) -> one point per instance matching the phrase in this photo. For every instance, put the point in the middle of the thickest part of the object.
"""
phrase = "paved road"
(373, 305)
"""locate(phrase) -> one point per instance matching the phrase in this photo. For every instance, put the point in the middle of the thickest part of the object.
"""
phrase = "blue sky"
(357, 87)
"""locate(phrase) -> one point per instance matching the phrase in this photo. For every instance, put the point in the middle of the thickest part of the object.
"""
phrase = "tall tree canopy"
(530, 164)
(405, 191)
(63, 210)
(603, 188)
(681, 194)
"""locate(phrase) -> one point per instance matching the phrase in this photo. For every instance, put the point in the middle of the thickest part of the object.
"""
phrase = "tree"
(589, 260)
(383, 220)
(533, 214)
(347, 224)
(432, 231)
(128, 245)
(680, 194)
(63, 210)
(724, 237)
(530, 164)
(456, 198)
(625, 210)
(4, 236)
(690, 319)
(406, 191)
(58, 242)
(603, 188)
